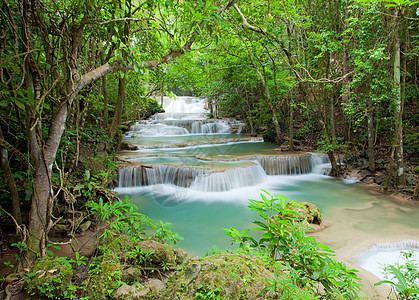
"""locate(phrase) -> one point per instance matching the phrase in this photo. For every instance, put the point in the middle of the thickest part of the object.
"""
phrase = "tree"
(49, 57)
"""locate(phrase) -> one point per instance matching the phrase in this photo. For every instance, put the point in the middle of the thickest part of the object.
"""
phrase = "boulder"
(156, 253)
(155, 284)
(229, 276)
(128, 292)
(131, 274)
(380, 179)
(84, 226)
(50, 278)
(181, 256)
(129, 147)
(308, 212)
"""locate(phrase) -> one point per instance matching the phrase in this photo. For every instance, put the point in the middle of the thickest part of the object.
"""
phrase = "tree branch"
(245, 23)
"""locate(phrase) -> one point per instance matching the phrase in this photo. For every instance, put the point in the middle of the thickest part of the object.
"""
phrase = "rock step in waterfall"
(209, 180)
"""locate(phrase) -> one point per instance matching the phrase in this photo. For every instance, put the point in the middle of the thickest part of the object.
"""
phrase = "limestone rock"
(181, 256)
(128, 292)
(157, 253)
(226, 276)
(131, 274)
(130, 147)
(155, 284)
(308, 211)
(84, 226)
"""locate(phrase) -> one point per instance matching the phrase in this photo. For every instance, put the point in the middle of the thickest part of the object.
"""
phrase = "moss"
(226, 276)
(51, 278)
(105, 277)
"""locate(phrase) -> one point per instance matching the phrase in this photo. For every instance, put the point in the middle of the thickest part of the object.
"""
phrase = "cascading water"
(183, 116)
(205, 178)
(229, 180)
(195, 173)
(374, 258)
(159, 174)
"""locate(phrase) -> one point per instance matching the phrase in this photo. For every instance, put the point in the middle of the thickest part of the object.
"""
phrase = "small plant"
(51, 277)
(207, 293)
(308, 261)
(403, 278)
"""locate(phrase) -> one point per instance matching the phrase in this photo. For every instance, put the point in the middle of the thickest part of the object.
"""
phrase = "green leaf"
(267, 236)
(4, 103)
(20, 104)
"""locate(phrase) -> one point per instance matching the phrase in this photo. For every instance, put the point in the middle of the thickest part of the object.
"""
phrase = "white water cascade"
(373, 258)
(159, 174)
(209, 180)
(183, 116)
(230, 179)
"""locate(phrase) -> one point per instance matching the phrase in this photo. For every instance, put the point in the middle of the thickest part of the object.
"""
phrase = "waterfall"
(230, 179)
(294, 164)
(159, 174)
(178, 116)
(210, 127)
(184, 115)
(320, 163)
(155, 129)
(373, 258)
(285, 165)
(208, 180)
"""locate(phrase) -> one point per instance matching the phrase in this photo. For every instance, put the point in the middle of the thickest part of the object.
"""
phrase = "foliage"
(404, 277)
(51, 277)
(309, 261)
(104, 277)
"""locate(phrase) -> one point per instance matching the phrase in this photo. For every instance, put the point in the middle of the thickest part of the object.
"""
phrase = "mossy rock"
(105, 277)
(308, 212)
(51, 278)
(156, 253)
(227, 276)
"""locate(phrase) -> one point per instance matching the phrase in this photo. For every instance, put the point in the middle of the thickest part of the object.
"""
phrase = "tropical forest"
(209, 149)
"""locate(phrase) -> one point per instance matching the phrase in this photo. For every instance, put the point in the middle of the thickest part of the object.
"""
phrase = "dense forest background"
(337, 76)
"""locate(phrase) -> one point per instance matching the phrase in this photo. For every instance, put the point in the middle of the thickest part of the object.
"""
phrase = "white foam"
(373, 259)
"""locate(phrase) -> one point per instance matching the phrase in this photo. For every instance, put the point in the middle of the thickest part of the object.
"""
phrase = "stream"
(199, 174)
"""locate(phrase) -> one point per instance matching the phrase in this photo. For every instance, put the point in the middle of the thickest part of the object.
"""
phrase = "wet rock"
(84, 226)
(308, 212)
(131, 274)
(157, 253)
(128, 292)
(129, 147)
(155, 285)
(181, 256)
(380, 179)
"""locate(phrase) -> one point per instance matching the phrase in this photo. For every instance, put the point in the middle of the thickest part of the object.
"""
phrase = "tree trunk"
(12, 184)
(116, 122)
(401, 180)
(291, 130)
(335, 168)
(105, 101)
(371, 151)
